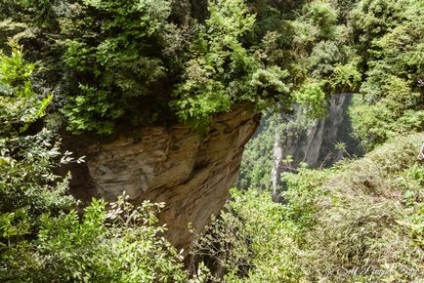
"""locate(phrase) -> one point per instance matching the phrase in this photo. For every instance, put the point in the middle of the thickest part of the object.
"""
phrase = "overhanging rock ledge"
(189, 171)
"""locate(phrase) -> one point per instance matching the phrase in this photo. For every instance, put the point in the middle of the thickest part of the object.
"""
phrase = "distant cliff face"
(189, 171)
(316, 145)
(322, 143)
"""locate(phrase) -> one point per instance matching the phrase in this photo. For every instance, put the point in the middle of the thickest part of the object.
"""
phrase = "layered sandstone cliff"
(190, 171)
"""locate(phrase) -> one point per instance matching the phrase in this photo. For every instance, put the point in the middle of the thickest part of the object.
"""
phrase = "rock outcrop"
(191, 172)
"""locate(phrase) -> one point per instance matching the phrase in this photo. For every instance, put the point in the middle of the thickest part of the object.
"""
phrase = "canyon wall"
(321, 143)
(190, 171)
(316, 144)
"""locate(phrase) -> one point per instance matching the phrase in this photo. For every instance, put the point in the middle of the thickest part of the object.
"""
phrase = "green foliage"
(256, 165)
(345, 77)
(372, 18)
(389, 116)
(320, 60)
(362, 231)
(389, 39)
(114, 62)
(122, 244)
(223, 71)
(251, 241)
(323, 57)
(119, 245)
(28, 186)
(360, 221)
(324, 16)
(25, 160)
(109, 52)
(42, 237)
(91, 103)
(19, 104)
(312, 95)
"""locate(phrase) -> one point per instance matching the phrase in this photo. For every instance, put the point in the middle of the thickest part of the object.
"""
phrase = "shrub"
(360, 221)
(43, 238)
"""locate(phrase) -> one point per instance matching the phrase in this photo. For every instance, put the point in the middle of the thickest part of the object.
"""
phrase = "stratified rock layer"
(189, 171)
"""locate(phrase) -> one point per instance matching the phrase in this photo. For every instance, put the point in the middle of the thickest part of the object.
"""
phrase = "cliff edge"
(191, 172)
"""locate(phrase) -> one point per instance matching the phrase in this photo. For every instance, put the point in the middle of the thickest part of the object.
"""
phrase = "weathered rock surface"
(316, 144)
(322, 143)
(189, 171)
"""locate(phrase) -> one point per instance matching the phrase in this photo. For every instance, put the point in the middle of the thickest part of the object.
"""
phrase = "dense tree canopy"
(93, 66)
(142, 62)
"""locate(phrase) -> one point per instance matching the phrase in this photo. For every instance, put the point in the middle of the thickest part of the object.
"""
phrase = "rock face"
(316, 145)
(189, 171)
(321, 143)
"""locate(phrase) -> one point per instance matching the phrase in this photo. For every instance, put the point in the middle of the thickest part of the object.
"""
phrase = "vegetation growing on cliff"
(389, 37)
(88, 66)
(142, 62)
(43, 238)
(359, 221)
